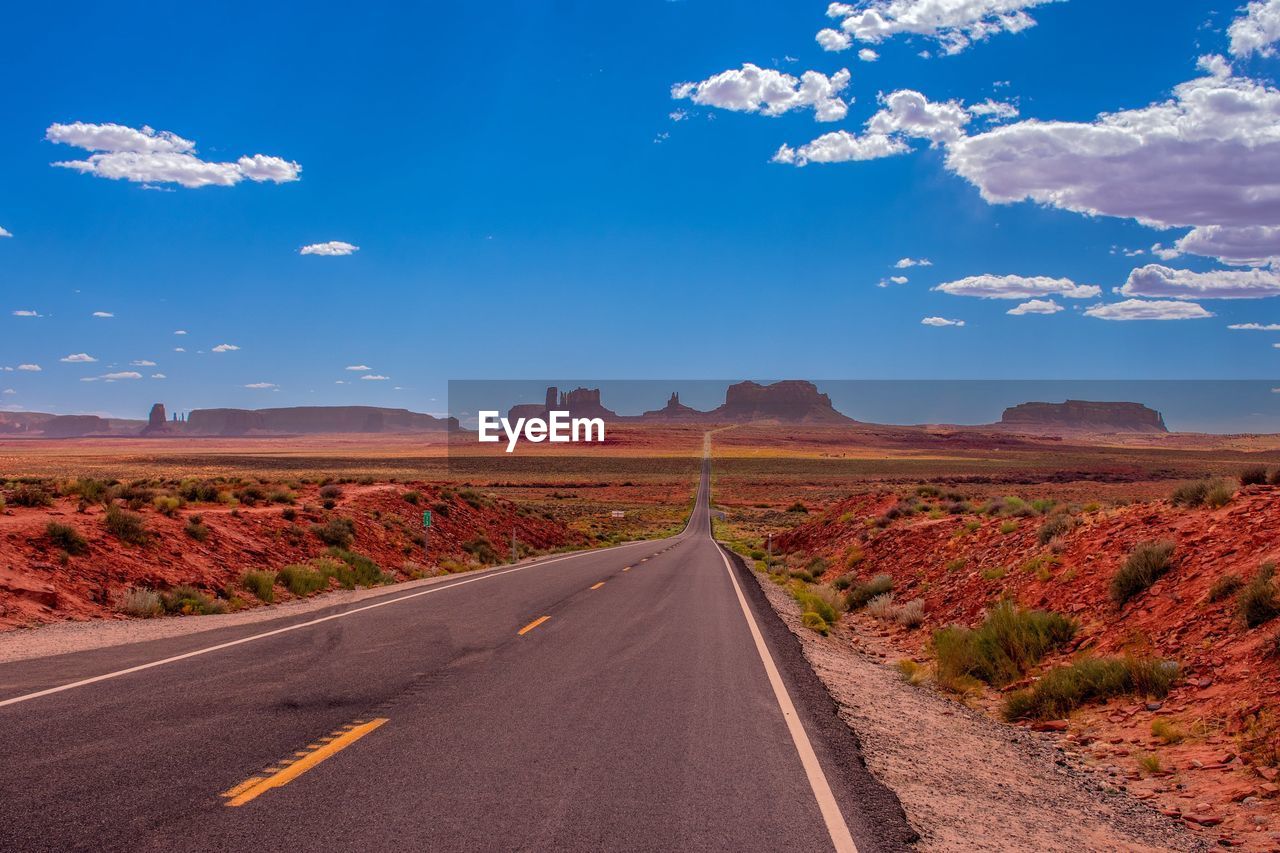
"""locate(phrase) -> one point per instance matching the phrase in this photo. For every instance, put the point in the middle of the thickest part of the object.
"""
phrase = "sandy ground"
(968, 783)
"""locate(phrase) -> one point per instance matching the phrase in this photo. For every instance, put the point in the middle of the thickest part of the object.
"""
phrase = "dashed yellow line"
(597, 586)
(283, 772)
(534, 624)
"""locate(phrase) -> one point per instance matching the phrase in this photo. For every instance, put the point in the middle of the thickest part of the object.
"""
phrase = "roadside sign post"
(426, 535)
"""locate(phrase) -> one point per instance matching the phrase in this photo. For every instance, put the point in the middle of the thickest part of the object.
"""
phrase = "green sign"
(426, 518)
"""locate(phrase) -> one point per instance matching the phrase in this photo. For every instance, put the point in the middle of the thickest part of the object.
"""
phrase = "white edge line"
(197, 652)
(836, 826)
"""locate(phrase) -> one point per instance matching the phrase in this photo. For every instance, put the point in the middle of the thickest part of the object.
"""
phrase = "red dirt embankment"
(40, 584)
(1228, 701)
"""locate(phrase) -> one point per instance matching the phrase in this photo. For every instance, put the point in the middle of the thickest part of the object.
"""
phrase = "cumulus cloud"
(1139, 309)
(142, 362)
(374, 377)
(32, 368)
(1210, 155)
(1215, 64)
(333, 248)
(893, 279)
(103, 314)
(5, 233)
(10, 391)
(1035, 306)
(1256, 327)
(226, 348)
(769, 92)
(868, 55)
(840, 146)
(179, 349)
(1238, 245)
(78, 358)
(993, 110)
(180, 332)
(159, 157)
(262, 385)
(909, 113)
(904, 263)
(833, 40)
(941, 321)
(124, 374)
(953, 24)
(158, 376)
(359, 367)
(1257, 30)
(1161, 281)
(25, 312)
(989, 286)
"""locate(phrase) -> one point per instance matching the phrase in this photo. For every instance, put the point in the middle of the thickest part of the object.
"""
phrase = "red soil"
(38, 586)
(1229, 699)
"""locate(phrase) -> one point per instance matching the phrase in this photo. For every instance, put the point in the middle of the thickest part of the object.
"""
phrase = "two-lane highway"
(638, 698)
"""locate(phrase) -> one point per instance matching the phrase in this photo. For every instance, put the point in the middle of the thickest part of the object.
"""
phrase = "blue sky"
(524, 203)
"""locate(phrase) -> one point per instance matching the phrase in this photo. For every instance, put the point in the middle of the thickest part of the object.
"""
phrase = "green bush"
(811, 619)
(1143, 567)
(412, 497)
(126, 526)
(1255, 475)
(89, 490)
(166, 505)
(360, 570)
(336, 532)
(482, 550)
(812, 601)
(196, 529)
(1009, 642)
(260, 583)
(302, 580)
(1063, 690)
(66, 537)
(187, 600)
(1190, 494)
(1257, 601)
(30, 495)
(862, 593)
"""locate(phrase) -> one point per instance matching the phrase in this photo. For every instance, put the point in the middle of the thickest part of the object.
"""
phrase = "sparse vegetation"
(1063, 690)
(187, 600)
(881, 607)
(166, 505)
(30, 495)
(1257, 601)
(482, 550)
(1165, 730)
(302, 580)
(798, 507)
(1150, 762)
(66, 537)
(1053, 527)
(1255, 475)
(336, 532)
(862, 593)
(1190, 494)
(1009, 642)
(354, 569)
(196, 529)
(126, 526)
(815, 622)
(1143, 567)
(143, 603)
(911, 614)
(260, 583)
(1219, 495)
(912, 672)
(1224, 587)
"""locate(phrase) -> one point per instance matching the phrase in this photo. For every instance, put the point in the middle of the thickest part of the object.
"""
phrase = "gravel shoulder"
(969, 783)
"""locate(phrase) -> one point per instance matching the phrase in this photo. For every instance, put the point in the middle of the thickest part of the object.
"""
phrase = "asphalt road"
(639, 698)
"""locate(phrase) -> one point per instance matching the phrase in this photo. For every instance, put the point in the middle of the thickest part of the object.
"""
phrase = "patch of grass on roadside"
(336, 532)
(356, 569)
(126, 526)
(187, 600)
(1063, 690)
(141, 602)
(260, 583)
(860, 594)
(302, 580)
(1009, 642)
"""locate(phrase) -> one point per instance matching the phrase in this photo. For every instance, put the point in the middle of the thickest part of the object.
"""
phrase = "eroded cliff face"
(311, 419)
(790, 400)
(1084, 415)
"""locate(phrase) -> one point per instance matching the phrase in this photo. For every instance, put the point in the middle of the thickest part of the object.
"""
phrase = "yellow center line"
(255, 786)
(534, 624)
(597, 586)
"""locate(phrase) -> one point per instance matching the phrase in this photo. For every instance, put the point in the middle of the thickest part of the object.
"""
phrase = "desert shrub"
(1063, 690)
(188, 600)
(1257, 601)
(927, 491)
(198, 491)
(66, 537)
(30, 495)
(336, 532)
(260, 583)
(1054, 526)
(166, 505)
(1225, 587)
(860, 594)
(853, 557)
(359, 569)
(912, 672)
(1275, 477)
(994, 573)
(819, 601)
(474, 499)
(1008, 527)
(482, 550)
(1255, 475)
(911, 614)
(882, 607)
(139, 602)
(196, 529)
(125, 525)
(1149, 762)
(1219, 495)
(282, 496)
(331, 492)
(798, 507)
(412, 497)
(1144, 565)
(289, 514)
(956, 565)
(815, 622)
(88, 489)
(250, 495)
(842, 583)
(1190, 494)
(1166, 731)
(1009, 642)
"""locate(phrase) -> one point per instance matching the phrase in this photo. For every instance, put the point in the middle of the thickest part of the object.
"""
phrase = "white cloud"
(833, 40)
(10, 391)
(1035, 306)
(158, 376)
(358, 367)
(180, 332)
(159, 157)
(103, 314)
(904, 263)
(262, 385)
(31, 368)
(179, 349)
(5, 233)
(23, 312)
(374, 377)
(753, 89)
(1257, 30)
(78, 358)
(893, 279)
(941, 321)
(1256, 327)
(333, 248)
(1161, 281)
(142, 362)
(1138, 309)
(1208, 156)
(993, 110)
(867, 54)
(1238, 245)
(989, 286)
(124, 374)
(909, 113)
(954, 24)
(226, 348)
(840, 146)
(1214, 64)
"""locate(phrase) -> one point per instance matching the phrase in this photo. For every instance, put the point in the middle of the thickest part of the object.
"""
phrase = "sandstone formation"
(1084, 416)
